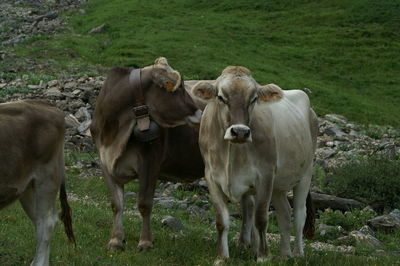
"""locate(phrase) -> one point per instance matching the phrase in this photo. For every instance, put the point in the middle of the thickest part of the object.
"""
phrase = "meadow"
(346, 52)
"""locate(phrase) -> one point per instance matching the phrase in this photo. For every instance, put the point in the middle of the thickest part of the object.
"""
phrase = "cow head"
(169, 103)
(234, 94)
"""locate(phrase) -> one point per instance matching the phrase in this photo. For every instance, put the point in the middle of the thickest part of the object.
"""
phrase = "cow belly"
(7, 196)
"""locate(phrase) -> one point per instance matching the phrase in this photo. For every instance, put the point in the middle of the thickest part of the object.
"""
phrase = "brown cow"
(174, 154)
(32, 167)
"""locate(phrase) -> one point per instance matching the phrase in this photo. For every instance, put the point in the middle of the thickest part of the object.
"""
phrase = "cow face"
(169, 103)
(235, 95)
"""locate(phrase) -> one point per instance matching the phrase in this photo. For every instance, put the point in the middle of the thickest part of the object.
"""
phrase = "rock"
(52, 83)
(196, 211)
(335, 118)
(53, 92)
(324, 201)
(130, 194)
(71, 121)
(335, 132)
(326, 153)
(365, 239)
(2, 85)
(34, 87)
(70, 85)
(366, 230)
(98, 29)
(173, 223)
(386, 222)
(320, 246)
(324, 229)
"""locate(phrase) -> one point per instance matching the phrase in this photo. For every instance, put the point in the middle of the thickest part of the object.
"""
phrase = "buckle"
(141, 111)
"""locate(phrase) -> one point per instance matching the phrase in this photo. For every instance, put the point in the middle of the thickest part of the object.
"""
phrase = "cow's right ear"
(204, 90)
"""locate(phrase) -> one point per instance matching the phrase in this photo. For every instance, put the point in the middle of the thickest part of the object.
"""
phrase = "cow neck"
(140, 109)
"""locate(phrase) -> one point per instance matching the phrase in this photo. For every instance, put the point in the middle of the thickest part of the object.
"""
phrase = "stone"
(335, 132)
(324, 201)
(365, 239)
(130, 194)
(366, 230)
(98, 29)
(53, 92)
(70, 85)
(2, 85)
(196, 211)
(173, 223)
(34, 87)
(387, 222)
(71, 121)
(52, 83)
(335, 118)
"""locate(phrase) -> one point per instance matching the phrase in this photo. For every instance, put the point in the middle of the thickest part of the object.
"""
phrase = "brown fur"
(32, 164)
(125, 158)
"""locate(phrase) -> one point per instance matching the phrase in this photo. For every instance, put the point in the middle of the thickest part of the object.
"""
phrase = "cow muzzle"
(238, 134)
(195, 118)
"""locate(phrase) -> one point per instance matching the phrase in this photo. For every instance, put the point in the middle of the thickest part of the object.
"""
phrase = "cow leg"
(27, 200)
(117, 204)
(263, 199)
(147, 184)
(247, 204)
(300, 193)
(222, 220)
(45, 218)
(282, 208)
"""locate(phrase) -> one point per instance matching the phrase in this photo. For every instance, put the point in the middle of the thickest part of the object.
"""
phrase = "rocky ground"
(339, 140)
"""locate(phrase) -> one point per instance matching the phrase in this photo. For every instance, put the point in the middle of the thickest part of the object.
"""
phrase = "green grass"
(195, 245)
(347, 52)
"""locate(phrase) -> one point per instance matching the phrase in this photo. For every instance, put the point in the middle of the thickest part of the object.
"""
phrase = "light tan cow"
(257, 142)
(32, 167)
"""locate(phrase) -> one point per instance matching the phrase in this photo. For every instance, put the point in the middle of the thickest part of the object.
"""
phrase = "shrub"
(375, 179)
(349, 221)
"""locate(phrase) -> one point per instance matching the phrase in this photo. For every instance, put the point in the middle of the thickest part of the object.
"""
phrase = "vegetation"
(375, 179)
(347, 52)
(195, 245)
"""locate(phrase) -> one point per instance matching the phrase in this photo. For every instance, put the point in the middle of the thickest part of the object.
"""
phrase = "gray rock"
(70, 85)
(324, 201)
(366, 230)
(335, 132)
(71, 121)
(130, 194)
(365, 239)
(98, 29)
(53, 92)
(336, 118)
(173, 223)
(386, 222)
(196, 211)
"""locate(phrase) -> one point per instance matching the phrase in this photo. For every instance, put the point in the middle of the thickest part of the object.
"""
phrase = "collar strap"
(140, 109)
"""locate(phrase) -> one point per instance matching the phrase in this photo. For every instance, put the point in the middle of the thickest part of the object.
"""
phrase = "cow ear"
(270, 93)
(169, 80)
(204, 90)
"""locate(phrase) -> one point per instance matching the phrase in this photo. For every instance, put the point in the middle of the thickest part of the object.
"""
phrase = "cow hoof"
(145, 245)
(115, 244)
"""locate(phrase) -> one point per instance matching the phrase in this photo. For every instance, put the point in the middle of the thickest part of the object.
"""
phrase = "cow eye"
(221, 99)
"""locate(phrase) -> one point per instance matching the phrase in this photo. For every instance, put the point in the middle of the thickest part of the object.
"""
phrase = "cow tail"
(66, 214)
(309, 226)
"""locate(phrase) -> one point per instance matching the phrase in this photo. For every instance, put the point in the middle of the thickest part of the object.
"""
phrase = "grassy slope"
(347, 52)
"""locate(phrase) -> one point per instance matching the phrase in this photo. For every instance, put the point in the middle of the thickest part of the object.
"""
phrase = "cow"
(32, 167)
(257, 142)
(168, 150)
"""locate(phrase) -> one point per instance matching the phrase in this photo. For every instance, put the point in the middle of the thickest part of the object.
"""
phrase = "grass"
(345, 51)
(195, 245)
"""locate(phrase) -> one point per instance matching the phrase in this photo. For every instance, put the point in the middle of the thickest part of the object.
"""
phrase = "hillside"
(346, 52)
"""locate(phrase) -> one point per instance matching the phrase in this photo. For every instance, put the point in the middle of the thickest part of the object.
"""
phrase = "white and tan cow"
(32, 167)
(257, 143)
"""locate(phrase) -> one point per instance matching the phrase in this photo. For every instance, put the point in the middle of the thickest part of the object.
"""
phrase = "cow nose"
(238, 133)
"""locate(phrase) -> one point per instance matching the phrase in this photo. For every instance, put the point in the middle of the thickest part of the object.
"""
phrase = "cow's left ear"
(270, 93)
(169, 80)
(204, 90)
